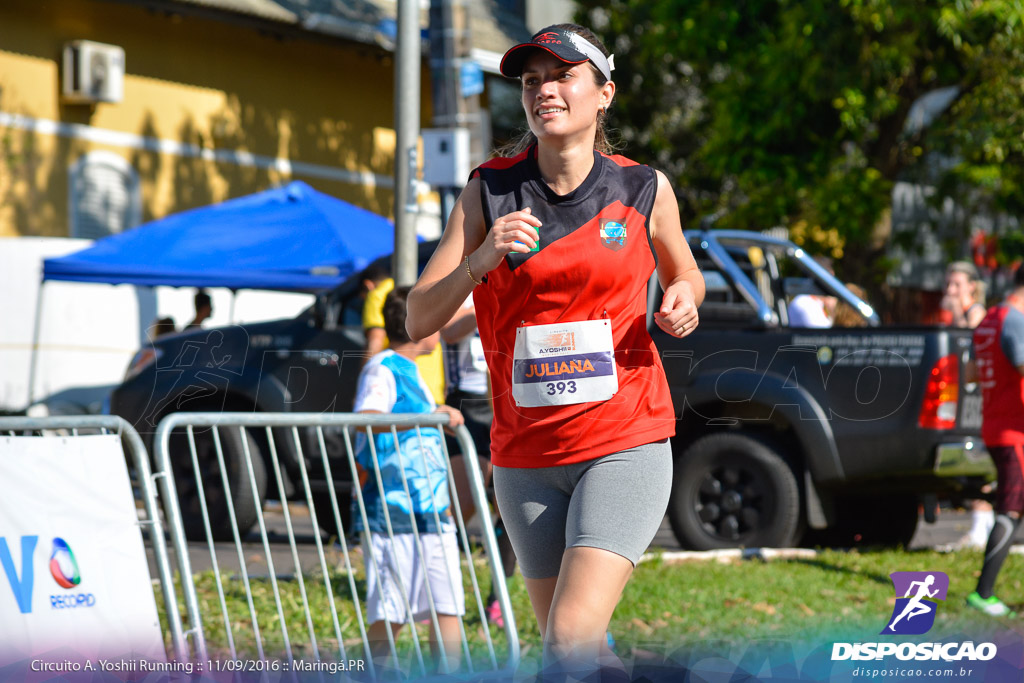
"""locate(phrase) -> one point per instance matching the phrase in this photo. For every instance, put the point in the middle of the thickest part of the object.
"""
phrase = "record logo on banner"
(63, 566)
(64, 570)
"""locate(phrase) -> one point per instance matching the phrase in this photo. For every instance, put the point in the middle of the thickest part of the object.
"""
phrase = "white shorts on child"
(400, 558)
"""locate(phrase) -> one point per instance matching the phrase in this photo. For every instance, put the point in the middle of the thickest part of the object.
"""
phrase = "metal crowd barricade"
(136, 450)
(302, 637)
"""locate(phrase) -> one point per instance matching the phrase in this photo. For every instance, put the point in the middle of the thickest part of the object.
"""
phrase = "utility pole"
(407, 128)
(456, 83)
(444, 79)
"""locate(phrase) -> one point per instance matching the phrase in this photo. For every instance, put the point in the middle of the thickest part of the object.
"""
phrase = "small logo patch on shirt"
(613, 234)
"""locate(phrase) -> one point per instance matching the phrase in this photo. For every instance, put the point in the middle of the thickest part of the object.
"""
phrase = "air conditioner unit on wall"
(93, 72)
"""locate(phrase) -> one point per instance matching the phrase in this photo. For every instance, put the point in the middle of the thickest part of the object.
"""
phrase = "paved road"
(950, 526)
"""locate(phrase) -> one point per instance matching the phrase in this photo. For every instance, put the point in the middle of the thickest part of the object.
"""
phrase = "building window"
(104, 197)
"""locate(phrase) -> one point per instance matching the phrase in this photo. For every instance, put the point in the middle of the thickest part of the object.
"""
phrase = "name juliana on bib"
(564, 364)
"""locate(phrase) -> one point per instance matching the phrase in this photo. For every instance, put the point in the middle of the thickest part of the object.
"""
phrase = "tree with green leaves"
(794, 112)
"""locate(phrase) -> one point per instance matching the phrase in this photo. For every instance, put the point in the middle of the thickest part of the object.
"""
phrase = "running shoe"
(992, 606)
(494, 614)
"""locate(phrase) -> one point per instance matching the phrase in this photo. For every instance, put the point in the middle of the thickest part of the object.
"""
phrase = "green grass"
(268, 620)
(836, 595)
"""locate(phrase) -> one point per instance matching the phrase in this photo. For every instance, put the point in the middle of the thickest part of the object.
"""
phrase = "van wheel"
(245, 500)
(733, 490)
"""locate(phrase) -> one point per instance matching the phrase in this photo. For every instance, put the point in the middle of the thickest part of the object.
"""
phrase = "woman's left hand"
(678, 313)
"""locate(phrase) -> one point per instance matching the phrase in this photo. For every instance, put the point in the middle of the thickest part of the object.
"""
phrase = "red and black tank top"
(1002, 388)
(594, 262)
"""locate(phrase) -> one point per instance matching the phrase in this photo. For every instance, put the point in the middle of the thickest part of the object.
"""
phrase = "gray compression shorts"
(616, 502)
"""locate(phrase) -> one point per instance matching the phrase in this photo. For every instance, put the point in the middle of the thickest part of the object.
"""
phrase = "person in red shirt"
(999, 368)
(557, 243)
(964, 306)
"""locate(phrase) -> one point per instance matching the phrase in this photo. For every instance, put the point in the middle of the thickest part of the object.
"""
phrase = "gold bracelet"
(470, 273)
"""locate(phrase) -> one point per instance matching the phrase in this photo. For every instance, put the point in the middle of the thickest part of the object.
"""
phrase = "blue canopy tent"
(290, 238)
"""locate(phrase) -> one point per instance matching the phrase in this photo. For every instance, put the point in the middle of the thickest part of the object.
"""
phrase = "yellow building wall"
(203, 86)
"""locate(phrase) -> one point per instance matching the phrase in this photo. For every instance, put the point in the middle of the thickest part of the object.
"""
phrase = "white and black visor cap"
(564, 45)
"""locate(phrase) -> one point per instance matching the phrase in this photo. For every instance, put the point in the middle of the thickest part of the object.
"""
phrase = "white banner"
(74, 581)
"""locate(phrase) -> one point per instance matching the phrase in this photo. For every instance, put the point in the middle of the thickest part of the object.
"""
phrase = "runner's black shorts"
(476, 408)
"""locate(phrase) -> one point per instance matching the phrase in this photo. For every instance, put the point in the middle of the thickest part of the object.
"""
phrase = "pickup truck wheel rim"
(729, 502)
(733, 490)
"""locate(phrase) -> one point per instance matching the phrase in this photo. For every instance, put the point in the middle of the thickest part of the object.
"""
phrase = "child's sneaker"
(494, 613)
(992, 606)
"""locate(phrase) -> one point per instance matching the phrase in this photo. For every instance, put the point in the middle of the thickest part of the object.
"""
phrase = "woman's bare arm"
(678, 273)
(445, 282)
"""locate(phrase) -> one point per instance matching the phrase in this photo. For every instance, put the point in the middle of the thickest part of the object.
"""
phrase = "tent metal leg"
(34, 359)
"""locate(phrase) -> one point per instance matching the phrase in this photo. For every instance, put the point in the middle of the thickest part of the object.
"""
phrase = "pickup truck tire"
(245, 502)
(734, 490)
(325, 511)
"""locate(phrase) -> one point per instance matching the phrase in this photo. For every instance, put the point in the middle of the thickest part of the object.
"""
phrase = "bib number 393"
(564, 363)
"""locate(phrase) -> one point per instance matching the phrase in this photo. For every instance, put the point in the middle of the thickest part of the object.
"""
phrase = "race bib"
(564, 363)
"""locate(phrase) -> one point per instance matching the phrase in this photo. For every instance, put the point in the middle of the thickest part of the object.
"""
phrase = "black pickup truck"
(834, 436)
(828, 436)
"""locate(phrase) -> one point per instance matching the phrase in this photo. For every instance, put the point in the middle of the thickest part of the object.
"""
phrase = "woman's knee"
(573, 626)
(567, 641)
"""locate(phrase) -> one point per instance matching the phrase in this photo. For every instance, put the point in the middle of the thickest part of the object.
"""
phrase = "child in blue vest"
(391, 383)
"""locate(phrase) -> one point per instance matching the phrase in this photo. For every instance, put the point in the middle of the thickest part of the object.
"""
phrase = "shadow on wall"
(32, 194)
(284, 96)
(35, 182)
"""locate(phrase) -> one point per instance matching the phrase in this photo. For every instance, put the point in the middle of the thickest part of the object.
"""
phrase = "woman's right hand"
(513, 232)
